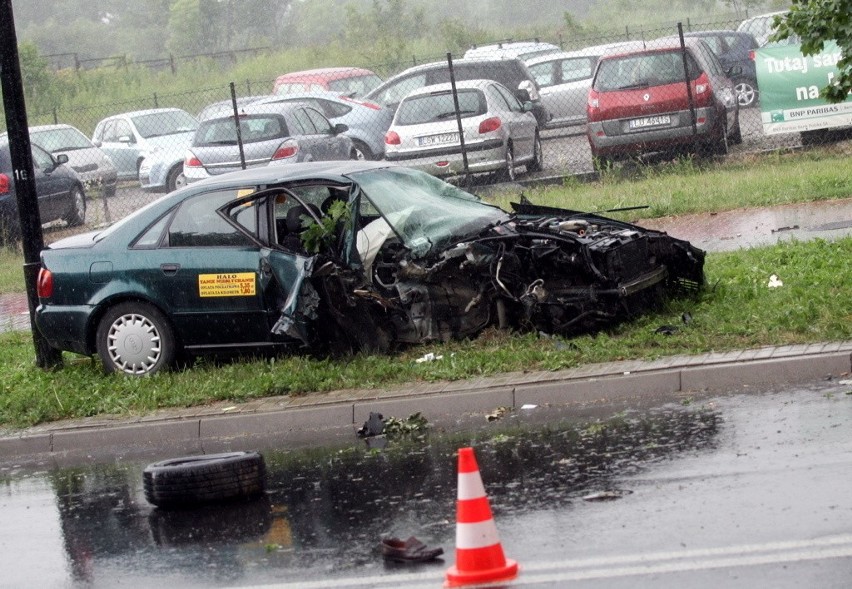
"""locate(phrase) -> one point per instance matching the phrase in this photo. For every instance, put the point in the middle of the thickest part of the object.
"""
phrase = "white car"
(564, 80)
(499, 132)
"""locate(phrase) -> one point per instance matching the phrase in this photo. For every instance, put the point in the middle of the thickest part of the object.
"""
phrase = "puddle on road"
(325, 510)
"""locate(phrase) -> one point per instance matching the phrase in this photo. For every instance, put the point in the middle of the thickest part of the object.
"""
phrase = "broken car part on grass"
(339, 257)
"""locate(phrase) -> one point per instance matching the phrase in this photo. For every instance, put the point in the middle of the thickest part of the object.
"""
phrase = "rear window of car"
(642, 70)
(65, 139)
(253, 129)
(430, 108)
(357, 86)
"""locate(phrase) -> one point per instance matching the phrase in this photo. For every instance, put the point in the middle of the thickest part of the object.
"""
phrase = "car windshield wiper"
(634, 86)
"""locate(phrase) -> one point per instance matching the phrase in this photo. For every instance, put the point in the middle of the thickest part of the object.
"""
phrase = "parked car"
(499, 132)
(564, 79)
(734, 49)
(148, 145)
(278, 133)
(224, 108)
(512, 73)
(58, 188)
(400, 258)
(639, 102)
(762, 26)
(351, 81)
(522, 50)
(93, 166)
(366, 121)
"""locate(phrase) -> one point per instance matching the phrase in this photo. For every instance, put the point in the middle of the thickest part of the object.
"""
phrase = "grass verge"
(738, 310)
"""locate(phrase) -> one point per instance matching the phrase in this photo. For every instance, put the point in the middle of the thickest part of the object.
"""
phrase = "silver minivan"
(564, 80)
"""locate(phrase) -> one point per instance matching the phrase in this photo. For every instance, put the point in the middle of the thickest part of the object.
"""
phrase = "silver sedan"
(499, 133)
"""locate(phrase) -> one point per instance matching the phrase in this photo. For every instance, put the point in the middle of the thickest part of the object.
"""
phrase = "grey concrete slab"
(276, 423)
(23, 445)
(593, 389)
(775, 371)
(152, 434)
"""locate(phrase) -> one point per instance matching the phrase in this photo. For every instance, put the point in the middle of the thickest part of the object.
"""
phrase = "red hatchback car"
(350, 81)
(657, 96)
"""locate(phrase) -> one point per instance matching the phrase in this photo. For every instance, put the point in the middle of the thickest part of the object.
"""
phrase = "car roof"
(147, 111)
(509, 49)
(296, 96)
(662, 44)
(594, 51)
(325, 73)
(52, 127)
(258, 108)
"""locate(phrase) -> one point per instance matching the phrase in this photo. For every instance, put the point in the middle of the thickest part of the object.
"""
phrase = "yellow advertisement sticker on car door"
(240, 284)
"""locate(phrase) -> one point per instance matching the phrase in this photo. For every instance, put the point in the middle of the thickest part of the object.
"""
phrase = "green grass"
(737, 310)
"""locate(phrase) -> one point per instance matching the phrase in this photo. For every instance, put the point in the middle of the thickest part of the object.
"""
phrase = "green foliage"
(382, 33)
(816, 22)
(318, 237)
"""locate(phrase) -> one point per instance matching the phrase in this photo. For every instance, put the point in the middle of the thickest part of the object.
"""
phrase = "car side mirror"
(735, 70)
(340, 128)
(60, 159)
(97, 142)
(527, 106)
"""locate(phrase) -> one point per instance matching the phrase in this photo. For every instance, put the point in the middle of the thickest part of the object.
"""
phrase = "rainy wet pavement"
(748, 228)
(724, 491)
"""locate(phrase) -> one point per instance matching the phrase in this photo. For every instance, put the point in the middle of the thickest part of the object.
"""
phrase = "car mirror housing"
(735, 70)
(340, 128)
(61, 158)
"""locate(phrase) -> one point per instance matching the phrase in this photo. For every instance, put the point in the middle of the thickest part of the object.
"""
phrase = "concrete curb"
(326, 418)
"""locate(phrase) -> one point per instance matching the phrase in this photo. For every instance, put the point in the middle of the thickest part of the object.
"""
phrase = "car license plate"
(644, 122)
(439, 139)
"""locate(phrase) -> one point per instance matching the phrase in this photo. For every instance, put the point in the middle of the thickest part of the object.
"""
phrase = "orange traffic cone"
(479, 555)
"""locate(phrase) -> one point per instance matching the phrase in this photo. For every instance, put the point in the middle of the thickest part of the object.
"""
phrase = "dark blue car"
(59, 189)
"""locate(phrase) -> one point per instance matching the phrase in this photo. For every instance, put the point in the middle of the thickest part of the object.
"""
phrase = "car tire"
(175, 179)
(196, 480)
(362, 152)
(135, 338)
(76, 214)
(509, 172)
(746, 92)
(537, 163)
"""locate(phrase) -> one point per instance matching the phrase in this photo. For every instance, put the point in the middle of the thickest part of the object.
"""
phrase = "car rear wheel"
(362, 152)
(135, 338)
(537, 163)
(175, 179)
(76, 214)
(746, 92)
(509, 172)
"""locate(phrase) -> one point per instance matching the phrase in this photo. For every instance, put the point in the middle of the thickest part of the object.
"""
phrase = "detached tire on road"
(198, 480)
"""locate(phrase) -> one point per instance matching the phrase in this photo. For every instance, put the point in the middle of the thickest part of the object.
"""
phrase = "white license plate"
(438, 139)
(649, 122)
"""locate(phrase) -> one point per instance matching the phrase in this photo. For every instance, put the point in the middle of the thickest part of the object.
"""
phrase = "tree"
(817, 22)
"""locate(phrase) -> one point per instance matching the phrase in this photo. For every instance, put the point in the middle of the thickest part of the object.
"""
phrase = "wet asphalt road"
(748, 490)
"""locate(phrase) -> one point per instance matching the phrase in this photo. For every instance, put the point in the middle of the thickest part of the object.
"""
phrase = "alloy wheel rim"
(134, 344)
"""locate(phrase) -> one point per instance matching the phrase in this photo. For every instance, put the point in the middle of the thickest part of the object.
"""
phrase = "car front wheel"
(746, 92)
(175, 179)
(135, 338)
(76, 214)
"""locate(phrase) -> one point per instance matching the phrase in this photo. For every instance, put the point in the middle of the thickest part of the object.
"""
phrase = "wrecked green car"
(339, 257)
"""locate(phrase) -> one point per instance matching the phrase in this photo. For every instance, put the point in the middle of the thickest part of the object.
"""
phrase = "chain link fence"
(652, 95)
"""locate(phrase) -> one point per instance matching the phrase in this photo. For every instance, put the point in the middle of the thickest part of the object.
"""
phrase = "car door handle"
(169, 268)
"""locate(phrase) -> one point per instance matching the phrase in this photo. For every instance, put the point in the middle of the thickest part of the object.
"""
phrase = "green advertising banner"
(789, 86)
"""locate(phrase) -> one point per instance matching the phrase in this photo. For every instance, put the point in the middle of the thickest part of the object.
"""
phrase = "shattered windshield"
(424, 211)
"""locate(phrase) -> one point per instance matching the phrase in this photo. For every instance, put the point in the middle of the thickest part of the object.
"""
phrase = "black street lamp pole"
(22, 165)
